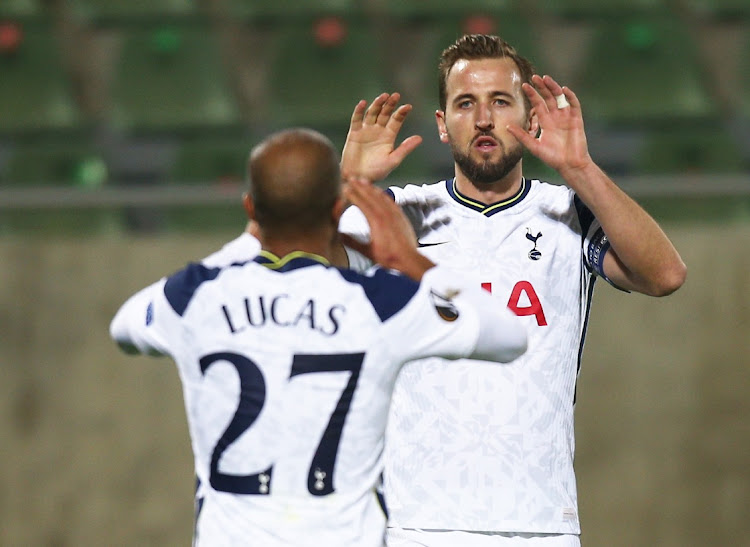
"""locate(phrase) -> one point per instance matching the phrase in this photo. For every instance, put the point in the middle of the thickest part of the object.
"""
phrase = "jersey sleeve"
(595, 242)
(141, 324)
(354, 224)
(451, 318)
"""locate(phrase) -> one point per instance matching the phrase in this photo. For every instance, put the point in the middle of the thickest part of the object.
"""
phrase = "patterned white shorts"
(406, 537)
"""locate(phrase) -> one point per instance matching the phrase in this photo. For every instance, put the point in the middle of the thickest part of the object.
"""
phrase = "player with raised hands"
(484, 455)
(288, 363)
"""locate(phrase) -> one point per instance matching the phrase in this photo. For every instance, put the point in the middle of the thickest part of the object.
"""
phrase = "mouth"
(485, 143)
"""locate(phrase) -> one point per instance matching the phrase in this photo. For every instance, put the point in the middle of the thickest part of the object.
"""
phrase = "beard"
(486, 171)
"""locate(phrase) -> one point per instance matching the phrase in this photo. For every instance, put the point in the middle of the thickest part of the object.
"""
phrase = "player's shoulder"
(550, 196)
(181, 287)
(563, 201)
(412, 192)
(243, 247)
(387, 291)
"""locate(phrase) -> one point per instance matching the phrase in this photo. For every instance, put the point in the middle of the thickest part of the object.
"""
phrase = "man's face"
(483, 97)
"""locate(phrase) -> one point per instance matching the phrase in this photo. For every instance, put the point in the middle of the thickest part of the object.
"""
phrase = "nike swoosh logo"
(420, 244)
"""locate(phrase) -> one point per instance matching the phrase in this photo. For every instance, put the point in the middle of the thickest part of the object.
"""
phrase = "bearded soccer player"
(288, 363)
(482, 455)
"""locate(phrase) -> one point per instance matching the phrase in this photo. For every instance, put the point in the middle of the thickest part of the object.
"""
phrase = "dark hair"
(480, 46)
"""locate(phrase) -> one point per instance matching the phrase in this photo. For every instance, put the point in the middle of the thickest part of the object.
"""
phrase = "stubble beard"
(487, 171)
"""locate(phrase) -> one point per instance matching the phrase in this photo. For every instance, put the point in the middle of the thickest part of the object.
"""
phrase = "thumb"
(523, 136)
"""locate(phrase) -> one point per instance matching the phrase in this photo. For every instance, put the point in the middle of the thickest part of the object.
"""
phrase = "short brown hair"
(480, 46)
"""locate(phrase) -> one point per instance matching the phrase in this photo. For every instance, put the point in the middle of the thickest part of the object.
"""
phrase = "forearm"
(644, 258)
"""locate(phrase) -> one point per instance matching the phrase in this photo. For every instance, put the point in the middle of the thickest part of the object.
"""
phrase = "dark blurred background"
(124, 130)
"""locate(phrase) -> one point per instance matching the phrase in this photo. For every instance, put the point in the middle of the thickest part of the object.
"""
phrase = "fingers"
(542, 89)
(575, 104)
(358, 115)
(388, 107)
(371, 116)
(548, 90)
(383, 111)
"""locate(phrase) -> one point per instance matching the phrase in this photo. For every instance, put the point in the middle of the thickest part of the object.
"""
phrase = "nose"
(484, 118)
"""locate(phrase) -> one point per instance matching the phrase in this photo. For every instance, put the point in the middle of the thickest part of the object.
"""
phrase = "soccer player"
(288, 363)
(481, 455)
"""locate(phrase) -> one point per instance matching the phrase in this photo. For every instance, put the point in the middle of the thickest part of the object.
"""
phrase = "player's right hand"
(370, 150)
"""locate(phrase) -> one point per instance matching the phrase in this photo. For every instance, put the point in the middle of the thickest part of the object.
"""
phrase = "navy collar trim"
(492, 208)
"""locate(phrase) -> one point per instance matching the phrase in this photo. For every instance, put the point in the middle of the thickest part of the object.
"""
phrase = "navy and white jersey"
(287, 367)
(491, 448)
(241, 249)
(246, 247)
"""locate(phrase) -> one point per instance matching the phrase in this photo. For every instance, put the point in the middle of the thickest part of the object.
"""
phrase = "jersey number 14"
(534, 306)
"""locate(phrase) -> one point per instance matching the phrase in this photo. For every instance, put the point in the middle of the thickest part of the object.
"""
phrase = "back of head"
(475, 47)
(294, 180)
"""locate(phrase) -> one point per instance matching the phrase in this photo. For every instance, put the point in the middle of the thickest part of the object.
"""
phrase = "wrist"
(415, 265)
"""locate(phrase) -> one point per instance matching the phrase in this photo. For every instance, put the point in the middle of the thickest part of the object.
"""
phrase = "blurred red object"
(11, 36)
(479, 24)
(330, 31)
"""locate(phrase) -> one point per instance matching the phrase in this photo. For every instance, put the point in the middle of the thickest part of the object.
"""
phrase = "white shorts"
(407, 537)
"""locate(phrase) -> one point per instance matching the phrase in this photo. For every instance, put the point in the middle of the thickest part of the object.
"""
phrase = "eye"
(466, 103)
(501, 102)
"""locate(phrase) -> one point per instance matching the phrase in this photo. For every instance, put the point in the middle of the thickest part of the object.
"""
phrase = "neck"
(313, 243)
(492, 192)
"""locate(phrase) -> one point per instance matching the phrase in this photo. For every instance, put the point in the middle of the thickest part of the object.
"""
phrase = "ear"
(533, 124)
(442, 128)
(247, 202)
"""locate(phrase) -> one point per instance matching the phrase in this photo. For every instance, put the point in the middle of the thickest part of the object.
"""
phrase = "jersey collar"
(292, 261)
(492, 208)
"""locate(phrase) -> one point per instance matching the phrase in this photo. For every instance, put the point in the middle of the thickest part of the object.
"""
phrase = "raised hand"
(370, 150)
(562, 141)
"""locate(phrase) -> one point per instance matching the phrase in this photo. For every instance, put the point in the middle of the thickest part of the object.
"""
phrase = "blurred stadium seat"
(42, 162)
(211, 161)
(744, 79)
(709, 149)
(428, 9)
(35, 92)
(137, 11)
(600, 8)
(290, 9)
(218, 162)
(415, 72)
(321, 68)
(170, 78)
(643, 70)
(21, 9)
(739, 9)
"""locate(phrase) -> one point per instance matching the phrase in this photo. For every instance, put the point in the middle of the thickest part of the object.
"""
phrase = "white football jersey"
(241, 249)
(491, 448)
(288, 367)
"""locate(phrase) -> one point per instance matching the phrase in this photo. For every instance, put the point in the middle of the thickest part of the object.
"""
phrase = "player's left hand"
(561, 143)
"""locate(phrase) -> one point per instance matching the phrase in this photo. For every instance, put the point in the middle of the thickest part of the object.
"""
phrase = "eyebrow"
(494, 94)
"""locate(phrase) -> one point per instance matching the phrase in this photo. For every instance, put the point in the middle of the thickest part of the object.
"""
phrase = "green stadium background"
(124, 130)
